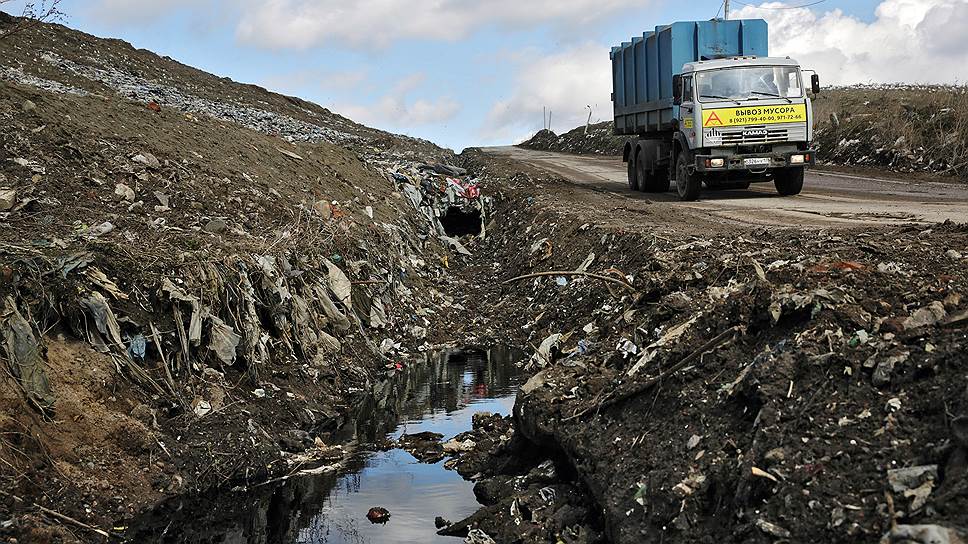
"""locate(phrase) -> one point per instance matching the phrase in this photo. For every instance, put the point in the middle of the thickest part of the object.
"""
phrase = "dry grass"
(901, 128)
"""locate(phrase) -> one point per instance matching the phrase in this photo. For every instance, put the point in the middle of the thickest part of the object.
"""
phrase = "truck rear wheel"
(687, 184)
(788, 181)
(651, 182)
(633, 174)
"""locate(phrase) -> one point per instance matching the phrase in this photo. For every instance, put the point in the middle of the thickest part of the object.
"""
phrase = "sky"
(469, 72)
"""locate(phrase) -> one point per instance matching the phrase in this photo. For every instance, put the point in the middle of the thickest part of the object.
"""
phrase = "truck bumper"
(755, 162)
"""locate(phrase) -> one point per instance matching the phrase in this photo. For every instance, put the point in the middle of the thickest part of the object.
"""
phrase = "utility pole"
(726, 10)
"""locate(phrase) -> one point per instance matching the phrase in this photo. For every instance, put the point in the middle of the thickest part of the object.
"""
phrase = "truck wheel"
(633, 174)
(788, 181)
(687, 184)
(650, 182)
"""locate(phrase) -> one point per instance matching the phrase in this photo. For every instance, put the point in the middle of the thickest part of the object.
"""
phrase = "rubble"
(839, 354)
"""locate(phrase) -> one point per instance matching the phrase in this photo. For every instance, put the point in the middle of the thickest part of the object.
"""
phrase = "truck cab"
(742, 120)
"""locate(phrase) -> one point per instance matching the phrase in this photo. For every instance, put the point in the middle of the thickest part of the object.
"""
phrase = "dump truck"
(702, 103)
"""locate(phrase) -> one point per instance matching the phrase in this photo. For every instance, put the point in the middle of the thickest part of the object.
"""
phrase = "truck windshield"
(749, 82)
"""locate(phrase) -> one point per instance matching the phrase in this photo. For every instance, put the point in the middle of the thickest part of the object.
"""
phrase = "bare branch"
(34, 13)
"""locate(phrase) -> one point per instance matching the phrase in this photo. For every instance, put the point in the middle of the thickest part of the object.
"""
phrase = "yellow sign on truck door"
(754, 115)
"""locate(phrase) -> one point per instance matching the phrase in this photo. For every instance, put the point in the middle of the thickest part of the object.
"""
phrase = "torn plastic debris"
(195, 325)
(25, 356)
(378, 314)
(104, 320)
(137, 347)
(921, 534)
(548, 349)
(201, 407)
(454, 244)
(650, 352)
(339, 284)
(444, 169)
(223, 340)
(477, 536)
(587, 263)
(627, 348)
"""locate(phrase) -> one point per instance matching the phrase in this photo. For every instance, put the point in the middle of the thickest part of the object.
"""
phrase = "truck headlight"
(797, 159)
(717, 163)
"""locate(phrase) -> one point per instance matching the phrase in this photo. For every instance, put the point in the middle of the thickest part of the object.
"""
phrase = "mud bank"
(198, 278)
(746, 385)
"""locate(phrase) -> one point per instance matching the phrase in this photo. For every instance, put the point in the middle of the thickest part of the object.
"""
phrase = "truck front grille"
(754, 135)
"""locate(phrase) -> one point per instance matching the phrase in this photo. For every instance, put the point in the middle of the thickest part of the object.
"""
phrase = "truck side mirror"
(676, 90)
(815, 83)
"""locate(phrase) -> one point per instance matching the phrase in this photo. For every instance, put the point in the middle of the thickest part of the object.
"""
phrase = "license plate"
(757, 162)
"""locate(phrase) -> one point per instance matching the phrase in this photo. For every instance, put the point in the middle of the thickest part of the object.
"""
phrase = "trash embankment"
(747, 386)
(179, 317)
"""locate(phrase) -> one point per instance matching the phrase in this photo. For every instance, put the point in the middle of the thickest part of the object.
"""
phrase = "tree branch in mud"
(34, 14)
(61, 517)
(616, 397)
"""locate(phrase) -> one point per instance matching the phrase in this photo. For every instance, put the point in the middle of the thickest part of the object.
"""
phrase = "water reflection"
(440, 394)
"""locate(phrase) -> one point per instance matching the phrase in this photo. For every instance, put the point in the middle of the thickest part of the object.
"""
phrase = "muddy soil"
(198, 279)
(746, 384)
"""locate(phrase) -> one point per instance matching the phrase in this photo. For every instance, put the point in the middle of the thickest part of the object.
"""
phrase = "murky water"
(440, 395)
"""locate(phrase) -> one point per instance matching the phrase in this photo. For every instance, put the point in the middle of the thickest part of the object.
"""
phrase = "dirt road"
(828, 199)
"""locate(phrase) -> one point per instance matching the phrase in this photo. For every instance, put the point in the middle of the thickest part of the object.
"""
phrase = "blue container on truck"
(703, 104)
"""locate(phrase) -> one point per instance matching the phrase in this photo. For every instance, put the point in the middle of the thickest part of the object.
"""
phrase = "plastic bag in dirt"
(25, 357)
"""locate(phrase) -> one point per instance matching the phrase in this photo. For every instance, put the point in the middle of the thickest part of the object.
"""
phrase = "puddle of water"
(441, 395)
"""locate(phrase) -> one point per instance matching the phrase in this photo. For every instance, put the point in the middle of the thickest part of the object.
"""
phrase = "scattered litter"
(926, 316)
(289, 154)
(25, 356)
(147, 159)
(201, 407)
(477, 536)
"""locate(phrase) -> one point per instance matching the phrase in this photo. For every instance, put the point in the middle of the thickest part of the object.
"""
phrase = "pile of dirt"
(199, 277)
(598, 139)
(741, 384)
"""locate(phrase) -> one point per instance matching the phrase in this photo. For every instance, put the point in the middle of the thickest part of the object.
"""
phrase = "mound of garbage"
(746, 384)
(199, 276)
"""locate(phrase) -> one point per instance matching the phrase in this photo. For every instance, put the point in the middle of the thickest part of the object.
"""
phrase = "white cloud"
(565, 82)
(913, 41)
(302, 24)
(395, 108)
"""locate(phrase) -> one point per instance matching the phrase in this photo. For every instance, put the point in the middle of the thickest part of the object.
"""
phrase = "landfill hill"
(198, 277)
(913, 129)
